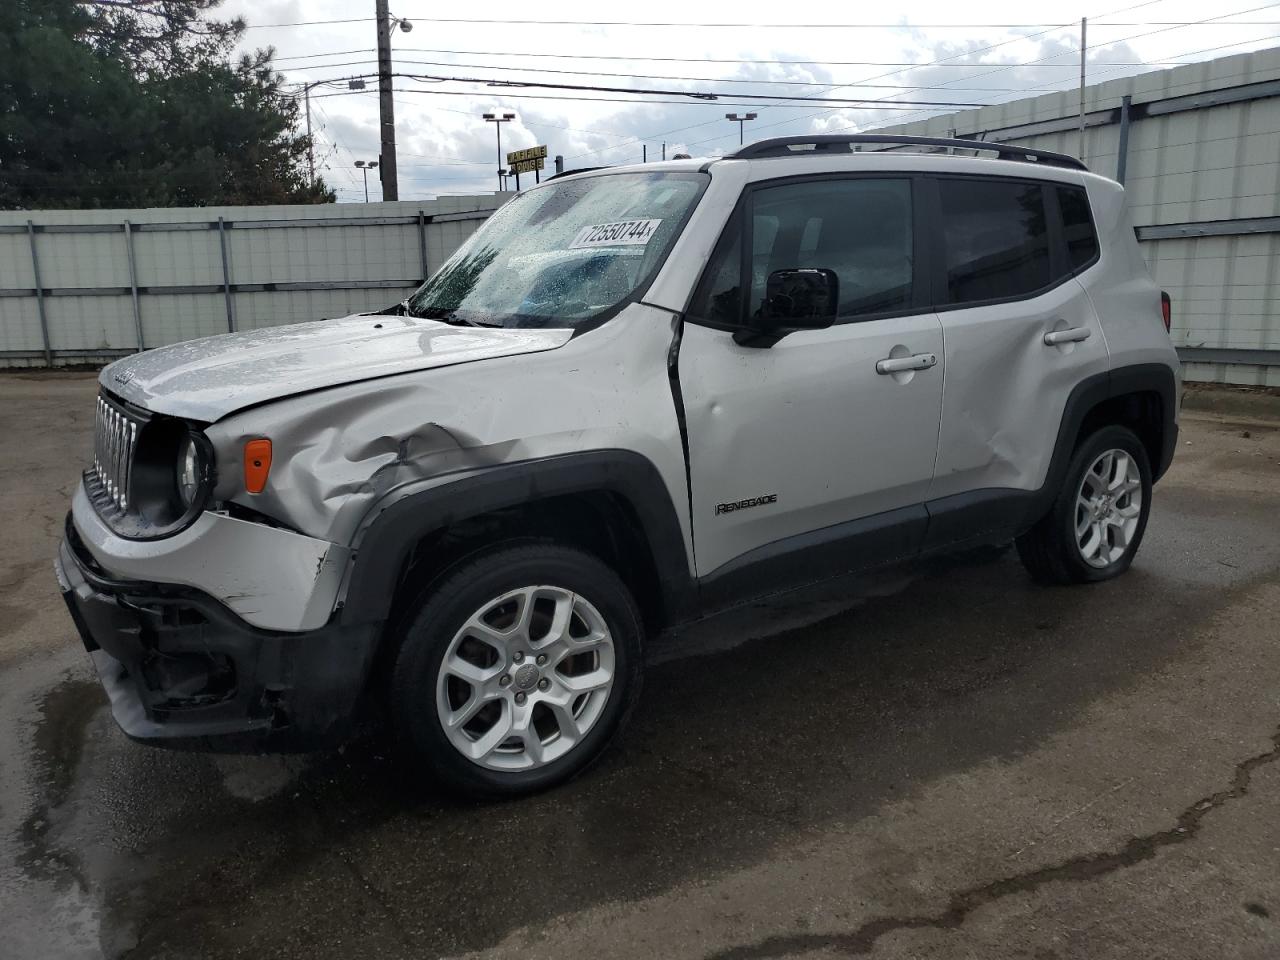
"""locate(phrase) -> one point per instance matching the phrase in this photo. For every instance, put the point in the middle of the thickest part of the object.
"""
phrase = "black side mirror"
(802, 298)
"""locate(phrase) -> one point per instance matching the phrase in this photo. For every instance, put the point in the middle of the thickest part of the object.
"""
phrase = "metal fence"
(84, 286)
(1198, 150)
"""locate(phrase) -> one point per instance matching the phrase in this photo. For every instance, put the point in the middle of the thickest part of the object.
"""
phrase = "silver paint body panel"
(336, 452)
(272, 578)
(362, 415)
(209, 378)
(811, 421)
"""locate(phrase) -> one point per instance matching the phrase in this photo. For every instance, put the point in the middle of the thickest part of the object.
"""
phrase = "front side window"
(719, 295)
(858, 228)
(995, 238)
(562, 254)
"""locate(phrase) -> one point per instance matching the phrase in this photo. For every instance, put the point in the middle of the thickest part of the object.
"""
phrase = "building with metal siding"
(1198, 149)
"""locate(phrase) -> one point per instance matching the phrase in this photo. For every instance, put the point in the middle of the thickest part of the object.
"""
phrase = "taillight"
(1166, 311)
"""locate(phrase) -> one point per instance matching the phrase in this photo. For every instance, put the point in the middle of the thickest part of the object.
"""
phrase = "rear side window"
(1077, 227)
(995, 239)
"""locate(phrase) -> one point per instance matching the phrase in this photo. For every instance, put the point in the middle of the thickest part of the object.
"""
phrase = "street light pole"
(741, 121)
(497, 122)
(366, 166)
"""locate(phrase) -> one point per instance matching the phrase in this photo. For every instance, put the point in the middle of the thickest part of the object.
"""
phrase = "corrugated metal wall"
(283, 264)
(1202, 174)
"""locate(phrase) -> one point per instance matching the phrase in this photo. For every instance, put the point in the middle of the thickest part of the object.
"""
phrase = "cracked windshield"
(562, 255)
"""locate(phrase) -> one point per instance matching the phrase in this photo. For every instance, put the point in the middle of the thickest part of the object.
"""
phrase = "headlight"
(190, 471)
(171, 479)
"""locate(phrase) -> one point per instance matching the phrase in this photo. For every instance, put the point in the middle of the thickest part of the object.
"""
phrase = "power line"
(585, 56)
(968, 53)
(853, 104)
(939, 62)
(648, 76)
(706, 95)
(756, 26)
(524, 118)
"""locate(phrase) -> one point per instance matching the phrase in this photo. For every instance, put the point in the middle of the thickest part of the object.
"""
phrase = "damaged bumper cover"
(183, 670)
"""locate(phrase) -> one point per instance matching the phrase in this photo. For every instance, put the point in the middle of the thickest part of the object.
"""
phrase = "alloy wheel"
(525, 679)
(1108, 508)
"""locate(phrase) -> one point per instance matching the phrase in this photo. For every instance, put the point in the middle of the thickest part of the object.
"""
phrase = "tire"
(1054, 552)
(497, 721)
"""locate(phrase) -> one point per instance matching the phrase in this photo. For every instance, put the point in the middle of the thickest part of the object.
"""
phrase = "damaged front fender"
(339, 452)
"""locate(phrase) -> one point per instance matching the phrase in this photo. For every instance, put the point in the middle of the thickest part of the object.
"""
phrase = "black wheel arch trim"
(390, 533)
(1157, 378)
(992, 515)
(1160, 379)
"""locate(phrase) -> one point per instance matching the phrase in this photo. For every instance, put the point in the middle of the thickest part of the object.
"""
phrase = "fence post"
(1122, 152)
(133, 283)
(44, 320)
(422, 241)
(226, 275)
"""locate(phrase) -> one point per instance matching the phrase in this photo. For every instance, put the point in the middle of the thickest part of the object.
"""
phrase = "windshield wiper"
(448, 316)
(395, 310)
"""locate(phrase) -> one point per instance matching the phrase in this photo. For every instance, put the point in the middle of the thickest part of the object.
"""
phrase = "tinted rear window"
(1077, 227)
(995, 237)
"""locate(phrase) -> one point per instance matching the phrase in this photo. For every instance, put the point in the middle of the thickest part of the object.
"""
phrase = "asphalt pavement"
(953, 764)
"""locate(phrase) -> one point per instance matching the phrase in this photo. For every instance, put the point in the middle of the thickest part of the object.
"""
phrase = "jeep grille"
(114, 439)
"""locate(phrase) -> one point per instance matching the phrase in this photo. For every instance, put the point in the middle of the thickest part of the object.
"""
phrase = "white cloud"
(444, 146)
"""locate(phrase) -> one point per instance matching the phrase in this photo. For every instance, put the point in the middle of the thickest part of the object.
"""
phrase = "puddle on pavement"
(50, 909)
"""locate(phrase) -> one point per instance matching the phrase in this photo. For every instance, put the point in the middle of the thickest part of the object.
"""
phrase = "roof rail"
(828, 143)
(569, 173)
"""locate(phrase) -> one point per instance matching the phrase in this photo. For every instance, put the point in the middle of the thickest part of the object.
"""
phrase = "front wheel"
(1096, 523)
(518, 669)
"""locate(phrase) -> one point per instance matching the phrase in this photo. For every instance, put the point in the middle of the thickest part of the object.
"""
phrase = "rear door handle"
(1070, 335)
(919, 361)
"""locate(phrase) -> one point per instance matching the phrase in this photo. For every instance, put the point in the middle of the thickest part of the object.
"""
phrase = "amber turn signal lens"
(257, 464)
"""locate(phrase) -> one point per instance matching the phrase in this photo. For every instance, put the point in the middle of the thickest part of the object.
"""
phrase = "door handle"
(919, 361)
(1070, 335)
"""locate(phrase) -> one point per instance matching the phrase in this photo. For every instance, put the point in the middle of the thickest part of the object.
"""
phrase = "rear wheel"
(1096, 523)
(518, 669)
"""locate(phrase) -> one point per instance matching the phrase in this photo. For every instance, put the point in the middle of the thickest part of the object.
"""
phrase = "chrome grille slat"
(115, 437)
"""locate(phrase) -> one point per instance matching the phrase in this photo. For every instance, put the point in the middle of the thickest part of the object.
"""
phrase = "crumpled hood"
(210, 378)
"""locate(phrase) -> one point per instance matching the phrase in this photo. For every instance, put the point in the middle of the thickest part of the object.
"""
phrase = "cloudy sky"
(983, 52)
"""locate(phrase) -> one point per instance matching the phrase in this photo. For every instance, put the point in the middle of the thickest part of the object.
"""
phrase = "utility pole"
(311, 148)
(386, 108)
(1083, 48)
(741, 121)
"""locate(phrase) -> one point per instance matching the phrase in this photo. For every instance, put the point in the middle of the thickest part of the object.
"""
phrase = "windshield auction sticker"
(624, 233)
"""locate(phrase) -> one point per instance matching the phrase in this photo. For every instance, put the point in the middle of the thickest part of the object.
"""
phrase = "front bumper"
(182, 670)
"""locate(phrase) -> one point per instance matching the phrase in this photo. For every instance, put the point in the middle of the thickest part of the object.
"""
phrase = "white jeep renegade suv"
(635, 396)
